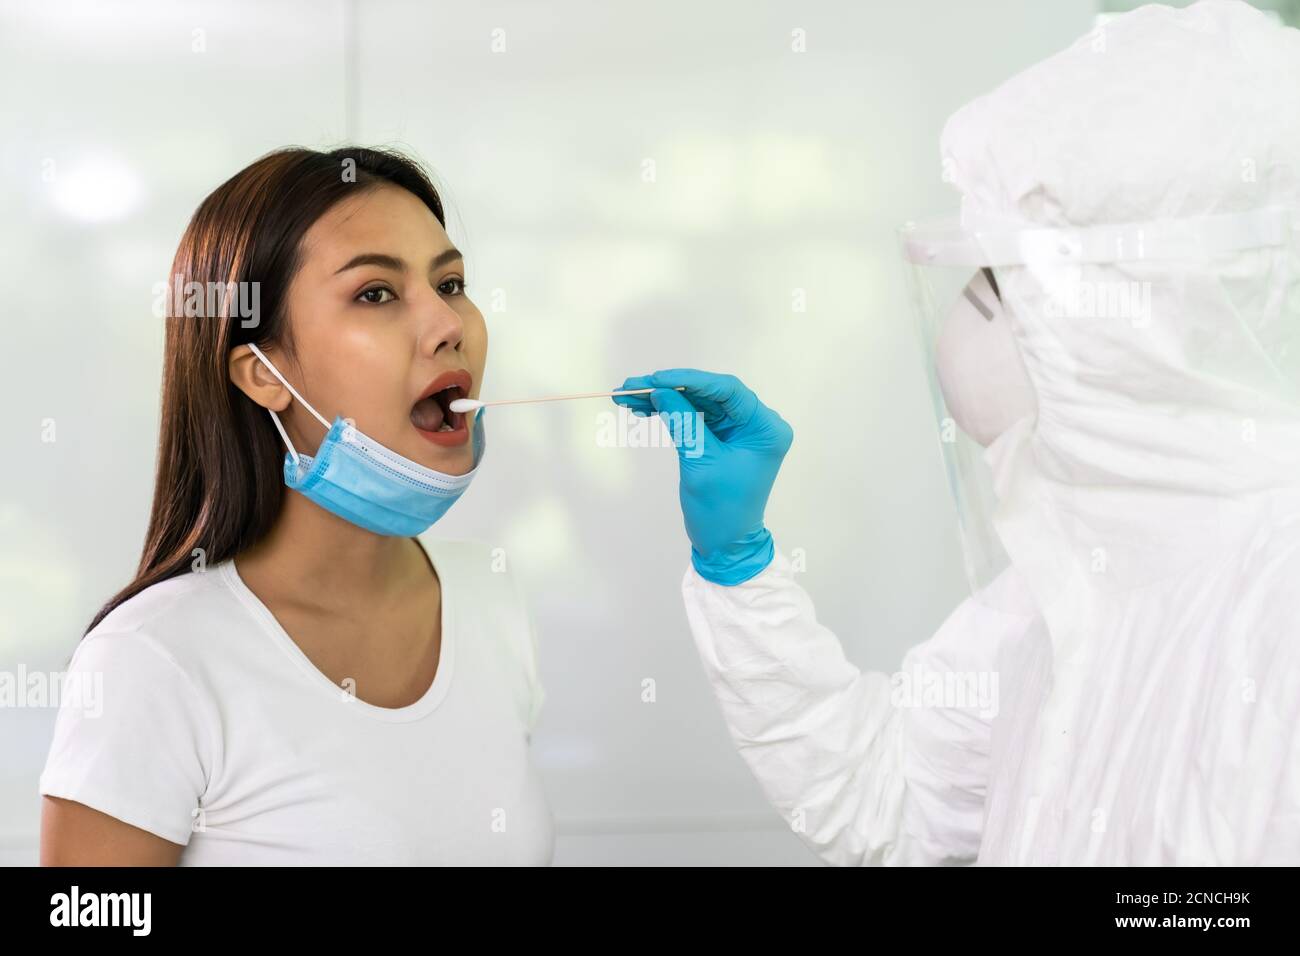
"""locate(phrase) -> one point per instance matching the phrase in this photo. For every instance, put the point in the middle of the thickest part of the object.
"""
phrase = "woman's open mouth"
(432, 415)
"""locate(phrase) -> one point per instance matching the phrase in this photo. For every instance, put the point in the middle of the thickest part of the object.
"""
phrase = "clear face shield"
(978, 384)
(1004, 312)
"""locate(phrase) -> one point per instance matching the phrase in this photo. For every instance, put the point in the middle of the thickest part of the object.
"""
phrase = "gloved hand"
(728, 464)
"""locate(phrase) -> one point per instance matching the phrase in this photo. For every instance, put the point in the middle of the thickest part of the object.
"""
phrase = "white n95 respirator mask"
(983, 380)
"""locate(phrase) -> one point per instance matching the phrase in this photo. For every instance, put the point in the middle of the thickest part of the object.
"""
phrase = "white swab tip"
(465, 404)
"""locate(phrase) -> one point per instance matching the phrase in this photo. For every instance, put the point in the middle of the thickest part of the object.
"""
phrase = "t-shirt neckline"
(432, 697)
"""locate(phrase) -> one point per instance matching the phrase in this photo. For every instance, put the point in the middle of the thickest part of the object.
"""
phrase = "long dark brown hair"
(219, 481)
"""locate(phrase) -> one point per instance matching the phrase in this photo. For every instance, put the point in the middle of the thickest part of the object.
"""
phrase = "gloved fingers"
(668, 400)
(685, 423)
(715, 385)
(636, 404)
(718, 395)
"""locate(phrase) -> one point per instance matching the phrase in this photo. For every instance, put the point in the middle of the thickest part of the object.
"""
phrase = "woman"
(295, 678)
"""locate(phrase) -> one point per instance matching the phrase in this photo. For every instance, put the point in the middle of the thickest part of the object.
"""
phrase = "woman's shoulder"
(137, 735)
(173, 615)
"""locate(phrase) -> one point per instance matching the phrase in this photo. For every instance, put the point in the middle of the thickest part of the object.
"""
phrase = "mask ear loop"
(292, 391)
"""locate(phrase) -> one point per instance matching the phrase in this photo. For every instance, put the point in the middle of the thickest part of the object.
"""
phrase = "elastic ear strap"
(292, 391)
(280, 428)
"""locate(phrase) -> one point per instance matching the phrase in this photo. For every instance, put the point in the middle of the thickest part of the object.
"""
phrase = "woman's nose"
(440, 327)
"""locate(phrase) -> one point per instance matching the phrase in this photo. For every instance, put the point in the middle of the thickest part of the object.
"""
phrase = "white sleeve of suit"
(859, 774)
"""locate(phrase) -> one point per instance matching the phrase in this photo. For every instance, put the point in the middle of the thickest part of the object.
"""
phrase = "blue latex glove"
(727, 466)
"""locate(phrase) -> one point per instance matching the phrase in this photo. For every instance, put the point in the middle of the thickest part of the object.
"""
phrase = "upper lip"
(457, 376)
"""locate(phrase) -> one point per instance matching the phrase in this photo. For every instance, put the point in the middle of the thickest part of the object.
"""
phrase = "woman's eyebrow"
(385, 261)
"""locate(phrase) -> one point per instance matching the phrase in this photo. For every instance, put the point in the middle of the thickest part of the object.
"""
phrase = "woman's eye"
(452, 286)
(373, 295)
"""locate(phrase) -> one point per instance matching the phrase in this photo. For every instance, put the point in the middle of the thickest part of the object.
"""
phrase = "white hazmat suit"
(1145, 639)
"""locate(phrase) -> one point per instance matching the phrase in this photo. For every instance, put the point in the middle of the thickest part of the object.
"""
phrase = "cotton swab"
(469, 404)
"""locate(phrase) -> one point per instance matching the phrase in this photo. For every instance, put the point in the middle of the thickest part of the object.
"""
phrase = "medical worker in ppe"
(1122, 347)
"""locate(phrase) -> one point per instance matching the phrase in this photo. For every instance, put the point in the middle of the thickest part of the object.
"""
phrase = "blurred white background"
(778, 179)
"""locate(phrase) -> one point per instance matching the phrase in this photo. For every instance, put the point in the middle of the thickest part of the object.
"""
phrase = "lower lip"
(450, 439)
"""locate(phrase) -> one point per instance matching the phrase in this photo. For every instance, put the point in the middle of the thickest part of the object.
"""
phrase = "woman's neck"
(316, 558)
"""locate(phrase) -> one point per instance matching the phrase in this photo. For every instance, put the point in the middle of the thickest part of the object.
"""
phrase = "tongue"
(427, 414)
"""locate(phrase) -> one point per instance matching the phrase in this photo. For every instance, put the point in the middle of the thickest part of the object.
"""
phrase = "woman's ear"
(255, 380)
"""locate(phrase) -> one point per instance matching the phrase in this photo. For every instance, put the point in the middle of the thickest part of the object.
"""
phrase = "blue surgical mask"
(358, 479)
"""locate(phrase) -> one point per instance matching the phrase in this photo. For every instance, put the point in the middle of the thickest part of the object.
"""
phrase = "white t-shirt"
(212, 729)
